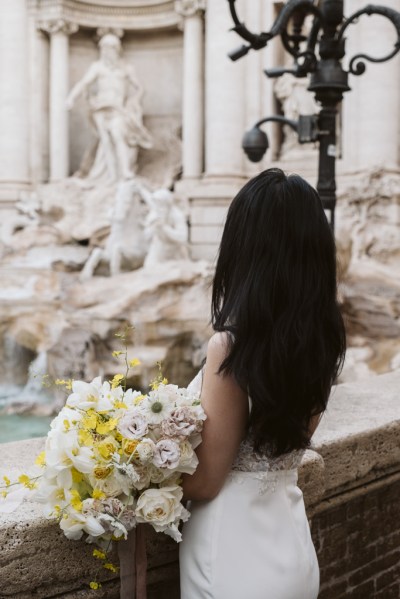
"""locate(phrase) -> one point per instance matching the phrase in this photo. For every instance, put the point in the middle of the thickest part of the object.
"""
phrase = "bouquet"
(113, 459)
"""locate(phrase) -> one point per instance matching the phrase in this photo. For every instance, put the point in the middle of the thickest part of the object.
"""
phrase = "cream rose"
(161, 508)
(188, 460)
(145, 451)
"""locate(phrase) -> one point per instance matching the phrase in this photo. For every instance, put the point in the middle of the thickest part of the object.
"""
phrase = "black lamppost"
(318, 54)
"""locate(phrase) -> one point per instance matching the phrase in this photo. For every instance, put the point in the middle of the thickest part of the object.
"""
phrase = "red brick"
(358, 546)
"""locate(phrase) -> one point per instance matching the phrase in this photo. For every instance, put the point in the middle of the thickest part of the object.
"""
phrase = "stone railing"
(351, 484)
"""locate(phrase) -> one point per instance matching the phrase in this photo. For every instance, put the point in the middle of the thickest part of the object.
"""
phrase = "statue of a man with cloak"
(114, 95)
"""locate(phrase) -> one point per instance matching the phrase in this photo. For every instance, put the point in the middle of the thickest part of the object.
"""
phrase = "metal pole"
(326, 185)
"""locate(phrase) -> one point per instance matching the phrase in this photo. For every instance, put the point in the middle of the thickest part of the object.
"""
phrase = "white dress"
(253, 540)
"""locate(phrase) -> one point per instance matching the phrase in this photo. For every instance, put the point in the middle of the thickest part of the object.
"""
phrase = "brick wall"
(358, 546)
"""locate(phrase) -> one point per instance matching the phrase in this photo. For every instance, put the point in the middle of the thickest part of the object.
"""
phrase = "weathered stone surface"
(75, 323)
(355, 444)
(358, 436)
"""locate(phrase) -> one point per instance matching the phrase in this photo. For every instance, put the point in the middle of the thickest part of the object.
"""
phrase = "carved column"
(14, 128)
(193, 108)
(225, 95)
(59, 31)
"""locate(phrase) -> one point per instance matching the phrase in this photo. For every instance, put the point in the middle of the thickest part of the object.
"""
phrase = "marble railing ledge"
(358, 437)
(356, 443)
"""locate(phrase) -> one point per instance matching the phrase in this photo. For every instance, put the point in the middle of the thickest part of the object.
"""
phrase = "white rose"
(157, 475)
(145, 451)
(160, 507)
(166, 454)
(144, 477)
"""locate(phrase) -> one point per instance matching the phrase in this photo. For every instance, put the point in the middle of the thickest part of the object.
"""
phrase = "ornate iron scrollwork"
(356, 65)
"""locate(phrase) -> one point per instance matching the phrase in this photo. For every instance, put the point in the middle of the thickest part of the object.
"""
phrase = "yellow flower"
(106, 447)
(157, 382)
(99, 554)
(67, 425)
(101, 472)
(60, 494)
(85, 438)
(138, 399)
(77, 476)
(117, 380)
(89, 422)
(41, 459)
(120, 404)
(95, 585)
(26, 481)
(97, 494)
(115, 354)
(110, 566)
(134, 362)
(75, 500)
(105, 427)
(129, 446)
(6, 480)
(3, 493)
(67, 384)
(57, 510)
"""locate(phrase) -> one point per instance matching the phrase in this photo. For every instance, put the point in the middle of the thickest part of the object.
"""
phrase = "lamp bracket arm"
(278, 119)
(357, 66)
(258, 41)
(288, 10)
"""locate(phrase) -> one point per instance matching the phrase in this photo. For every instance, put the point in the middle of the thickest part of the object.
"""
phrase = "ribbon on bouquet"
(133, 564)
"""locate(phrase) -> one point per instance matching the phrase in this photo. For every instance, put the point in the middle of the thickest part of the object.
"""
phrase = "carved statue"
(126, 239)
(114, 95)
(165, 227)
(295, 100)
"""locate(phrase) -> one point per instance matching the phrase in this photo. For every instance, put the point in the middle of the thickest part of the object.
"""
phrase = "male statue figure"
(114, 95)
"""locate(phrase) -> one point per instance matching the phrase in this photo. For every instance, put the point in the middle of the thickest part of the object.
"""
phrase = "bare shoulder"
(217, 350)
(218, 345)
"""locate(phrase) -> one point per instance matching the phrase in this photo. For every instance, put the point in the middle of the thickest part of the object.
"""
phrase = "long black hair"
(275, 291)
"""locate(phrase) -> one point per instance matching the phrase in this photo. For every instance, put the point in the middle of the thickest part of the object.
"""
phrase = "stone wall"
(351, 484)
(358, 544)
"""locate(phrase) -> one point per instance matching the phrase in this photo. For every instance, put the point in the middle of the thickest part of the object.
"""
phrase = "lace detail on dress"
(266, 469)
(249, 461)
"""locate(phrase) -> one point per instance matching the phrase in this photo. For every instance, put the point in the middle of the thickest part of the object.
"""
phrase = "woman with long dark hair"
(278, 346)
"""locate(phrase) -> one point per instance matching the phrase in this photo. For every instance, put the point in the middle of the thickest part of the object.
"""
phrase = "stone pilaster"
(225, 95)
(59, 31)
(14, 97)
(193, 78)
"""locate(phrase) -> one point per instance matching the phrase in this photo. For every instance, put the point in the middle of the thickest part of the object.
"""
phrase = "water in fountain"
(24, 408)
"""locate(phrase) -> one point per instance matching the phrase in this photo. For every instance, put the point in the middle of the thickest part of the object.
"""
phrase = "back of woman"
(278, 347)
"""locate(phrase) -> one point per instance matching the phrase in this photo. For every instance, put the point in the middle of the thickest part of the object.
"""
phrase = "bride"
(278, 346)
